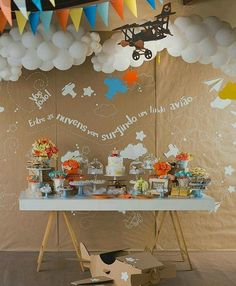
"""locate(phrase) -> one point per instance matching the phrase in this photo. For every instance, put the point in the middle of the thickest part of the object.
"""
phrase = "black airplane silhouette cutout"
(136, 35)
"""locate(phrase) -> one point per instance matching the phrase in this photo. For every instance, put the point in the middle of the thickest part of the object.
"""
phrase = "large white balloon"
(46, 51)
(225, 37)
(232, 51)
(31, 61)
(47, 66)
(62, 40)
(31, 41)
(78, 50)
(195, 33)
(183, 22)
(219, 59)
(3, 63)
(213, 24)
(16, 50)
(191, 54)
(63, 61)
(208, 47)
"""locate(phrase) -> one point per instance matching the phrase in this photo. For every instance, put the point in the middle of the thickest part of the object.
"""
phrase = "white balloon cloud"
(208, 41)
(45, 50)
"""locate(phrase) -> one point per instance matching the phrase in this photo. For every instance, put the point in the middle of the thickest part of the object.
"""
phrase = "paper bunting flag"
(38, 4)
(22, 7)
(52, 2)
(6, 10)
(75, 14)
(103, 10)
(152, 3)
(118, 5)
(90, 13)
(34, 21)
(46, 17)
(3, 21)
(21, 21)
(132, 5)
(63, 15)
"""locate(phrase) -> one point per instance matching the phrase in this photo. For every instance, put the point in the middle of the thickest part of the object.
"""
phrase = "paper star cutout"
(124, 276)
(229, 170)
(140, 135)
(88, 91)
(130, 77)
(231, 189)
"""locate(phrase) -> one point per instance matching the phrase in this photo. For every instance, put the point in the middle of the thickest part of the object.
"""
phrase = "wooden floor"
(59, 269)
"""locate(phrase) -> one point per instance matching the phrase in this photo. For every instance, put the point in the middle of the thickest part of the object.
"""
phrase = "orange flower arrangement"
(71, 166)
(184, 156)
(162, 168)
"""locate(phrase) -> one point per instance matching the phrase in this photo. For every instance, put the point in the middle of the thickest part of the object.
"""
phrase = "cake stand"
(115, 182)
(95, 168)
(80, 185)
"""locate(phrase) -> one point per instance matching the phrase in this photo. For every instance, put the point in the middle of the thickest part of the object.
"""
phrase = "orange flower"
(162, 168)
(71, 166)
(184, 156)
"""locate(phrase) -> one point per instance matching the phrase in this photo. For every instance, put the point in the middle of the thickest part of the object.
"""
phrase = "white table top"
(54, 203)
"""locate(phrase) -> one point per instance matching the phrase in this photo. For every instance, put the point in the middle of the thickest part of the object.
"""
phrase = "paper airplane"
(215, 83)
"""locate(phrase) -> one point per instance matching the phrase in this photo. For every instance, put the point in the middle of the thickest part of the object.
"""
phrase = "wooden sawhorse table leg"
(178, 232)
(72, 234)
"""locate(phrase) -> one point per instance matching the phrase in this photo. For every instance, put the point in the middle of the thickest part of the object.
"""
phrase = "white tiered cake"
(115, 165)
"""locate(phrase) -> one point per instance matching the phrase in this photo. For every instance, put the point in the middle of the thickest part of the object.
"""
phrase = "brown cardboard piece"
(129, 269)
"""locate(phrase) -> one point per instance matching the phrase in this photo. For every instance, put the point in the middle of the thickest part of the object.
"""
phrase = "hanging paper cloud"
(207, 41)
(45, 50)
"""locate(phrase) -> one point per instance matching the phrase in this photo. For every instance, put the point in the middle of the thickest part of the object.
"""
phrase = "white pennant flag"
(22, 7)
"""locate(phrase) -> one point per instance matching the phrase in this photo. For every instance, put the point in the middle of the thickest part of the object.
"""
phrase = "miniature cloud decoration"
(207, 41)
(45, 50)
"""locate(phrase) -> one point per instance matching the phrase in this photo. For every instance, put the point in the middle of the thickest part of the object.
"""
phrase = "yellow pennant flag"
(52, 2)
(132, 5)
(75, 14)
(21, 21)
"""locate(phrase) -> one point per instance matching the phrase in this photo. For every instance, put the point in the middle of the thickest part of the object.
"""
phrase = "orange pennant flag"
(3, 21)
(63, 15)
(6, 10)
(118, 5)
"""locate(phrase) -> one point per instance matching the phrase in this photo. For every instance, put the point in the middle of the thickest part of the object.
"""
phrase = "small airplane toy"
(120, 268)
(137, 34)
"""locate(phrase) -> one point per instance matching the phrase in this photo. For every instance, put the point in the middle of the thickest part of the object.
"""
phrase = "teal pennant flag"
(103, 10)
(34, 21)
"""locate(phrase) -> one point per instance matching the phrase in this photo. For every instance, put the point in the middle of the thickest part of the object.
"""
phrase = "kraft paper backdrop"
(195, 127)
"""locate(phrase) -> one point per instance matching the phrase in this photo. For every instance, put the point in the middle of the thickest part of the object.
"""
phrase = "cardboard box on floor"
(119, 268)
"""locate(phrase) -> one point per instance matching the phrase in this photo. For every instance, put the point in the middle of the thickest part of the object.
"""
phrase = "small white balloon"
(77, 35)
(63, 61)
(46, 51)
(16, 36)
(108, 69)
(86, 39)
(62, 40)
(95, 37)
(5, 40)
(205, 60)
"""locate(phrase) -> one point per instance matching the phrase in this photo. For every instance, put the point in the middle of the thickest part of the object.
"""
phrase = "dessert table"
(159, 206)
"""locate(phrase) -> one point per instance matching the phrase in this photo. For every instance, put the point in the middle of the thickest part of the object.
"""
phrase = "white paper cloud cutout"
(133, 152)
(76, 155)
(207, 41)
(45, 50)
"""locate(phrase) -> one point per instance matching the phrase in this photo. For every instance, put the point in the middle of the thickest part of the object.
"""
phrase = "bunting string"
(103, 9)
